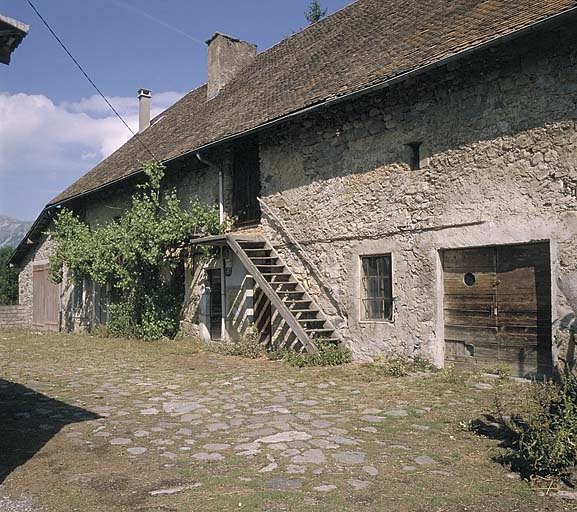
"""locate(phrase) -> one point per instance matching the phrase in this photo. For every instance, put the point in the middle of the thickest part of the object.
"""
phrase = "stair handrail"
(304, 256)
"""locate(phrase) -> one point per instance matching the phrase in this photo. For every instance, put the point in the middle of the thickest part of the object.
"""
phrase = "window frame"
(363, 290)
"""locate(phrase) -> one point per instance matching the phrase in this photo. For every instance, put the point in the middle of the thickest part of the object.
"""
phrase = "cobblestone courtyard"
(107, 425)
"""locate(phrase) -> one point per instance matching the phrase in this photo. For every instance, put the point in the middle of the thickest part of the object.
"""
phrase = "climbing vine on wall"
(135, 256)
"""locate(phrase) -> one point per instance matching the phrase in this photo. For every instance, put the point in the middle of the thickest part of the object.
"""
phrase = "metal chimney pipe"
(144, 96)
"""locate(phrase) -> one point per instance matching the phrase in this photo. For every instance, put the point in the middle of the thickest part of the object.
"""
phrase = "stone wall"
(497, 166)
(13, 316)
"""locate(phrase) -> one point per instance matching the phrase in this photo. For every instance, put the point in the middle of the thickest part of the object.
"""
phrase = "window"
(415, 155)
(377, 299)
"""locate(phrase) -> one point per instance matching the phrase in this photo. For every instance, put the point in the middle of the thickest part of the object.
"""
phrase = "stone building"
(403, 179)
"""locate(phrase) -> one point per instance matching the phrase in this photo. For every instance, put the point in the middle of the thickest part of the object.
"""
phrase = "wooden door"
(524, 308)
(215, 284)
(45, 299)
(497, 307)
(470, 296)
(246, 183)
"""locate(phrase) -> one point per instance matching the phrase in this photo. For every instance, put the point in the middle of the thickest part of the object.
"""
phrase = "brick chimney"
(226, 57)
(144, 96)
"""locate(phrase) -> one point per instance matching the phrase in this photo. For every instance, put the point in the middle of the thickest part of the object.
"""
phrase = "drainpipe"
(221, 219)
(220, 185)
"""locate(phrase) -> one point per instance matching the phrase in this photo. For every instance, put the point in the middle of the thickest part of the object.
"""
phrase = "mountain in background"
(12, 231)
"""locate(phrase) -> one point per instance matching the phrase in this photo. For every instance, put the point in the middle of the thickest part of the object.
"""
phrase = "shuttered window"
(377, 289)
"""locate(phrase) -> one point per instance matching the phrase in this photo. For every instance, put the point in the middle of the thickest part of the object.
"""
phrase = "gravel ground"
(22, 505)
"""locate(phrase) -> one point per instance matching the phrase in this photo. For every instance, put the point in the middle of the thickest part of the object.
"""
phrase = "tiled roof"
(366, 43)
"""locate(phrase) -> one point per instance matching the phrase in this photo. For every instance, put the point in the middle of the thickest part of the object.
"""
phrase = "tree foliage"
(315, 12)
(8, 278)
(135, 256)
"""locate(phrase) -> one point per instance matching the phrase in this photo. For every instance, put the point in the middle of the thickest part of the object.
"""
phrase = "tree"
(8, 278)
(315, 12)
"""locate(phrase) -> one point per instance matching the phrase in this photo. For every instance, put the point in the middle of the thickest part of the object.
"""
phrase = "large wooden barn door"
(497, 307)
(45, 299)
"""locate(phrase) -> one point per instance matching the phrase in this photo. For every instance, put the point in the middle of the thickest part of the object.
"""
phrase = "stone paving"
(165, 428)
(292, 425)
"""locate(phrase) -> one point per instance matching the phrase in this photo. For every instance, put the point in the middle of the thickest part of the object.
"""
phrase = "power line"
(91, 81)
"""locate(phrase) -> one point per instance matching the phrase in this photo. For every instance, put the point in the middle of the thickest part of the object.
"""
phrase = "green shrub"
(546, 430)
(248, 346)
(137, 257)
(329, 354)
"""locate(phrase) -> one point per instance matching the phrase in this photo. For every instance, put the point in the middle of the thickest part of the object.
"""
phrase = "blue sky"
(52, 126)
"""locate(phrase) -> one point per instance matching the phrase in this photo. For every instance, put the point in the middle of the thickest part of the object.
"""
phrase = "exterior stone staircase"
(286, 294)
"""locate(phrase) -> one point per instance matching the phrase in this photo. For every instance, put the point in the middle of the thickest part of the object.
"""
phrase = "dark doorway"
(246, 182)
(497, 307)
(215, 284)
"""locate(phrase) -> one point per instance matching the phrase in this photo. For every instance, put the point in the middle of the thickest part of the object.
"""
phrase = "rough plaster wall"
(498, 166)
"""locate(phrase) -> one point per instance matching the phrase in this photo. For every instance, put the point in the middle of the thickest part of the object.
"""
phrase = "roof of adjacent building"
(368, 42)
(11, 34)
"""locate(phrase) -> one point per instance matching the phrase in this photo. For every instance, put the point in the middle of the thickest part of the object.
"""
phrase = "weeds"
(399, 365)
(450, 375)
(247, 346)
(329, 354)
(546, 430)
(502, 370)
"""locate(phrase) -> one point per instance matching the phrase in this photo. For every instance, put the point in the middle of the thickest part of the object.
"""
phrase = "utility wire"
(91, 81)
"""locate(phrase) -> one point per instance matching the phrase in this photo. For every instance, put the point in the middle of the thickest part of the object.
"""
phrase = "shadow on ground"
(28, 420)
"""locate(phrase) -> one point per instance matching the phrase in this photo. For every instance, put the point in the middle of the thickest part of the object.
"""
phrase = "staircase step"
(290, 284)
(244, 243)
(283, 289)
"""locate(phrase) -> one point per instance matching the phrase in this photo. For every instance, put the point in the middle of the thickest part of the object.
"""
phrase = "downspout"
(220, 185)
(212, 165)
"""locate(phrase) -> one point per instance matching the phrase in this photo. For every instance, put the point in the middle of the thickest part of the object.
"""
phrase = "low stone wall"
(13, 316)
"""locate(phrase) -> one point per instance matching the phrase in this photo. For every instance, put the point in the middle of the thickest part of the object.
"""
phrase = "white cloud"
(37, 135)
(95, 106)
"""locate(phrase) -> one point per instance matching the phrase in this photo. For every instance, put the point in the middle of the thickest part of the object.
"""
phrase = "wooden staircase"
(286, 294)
